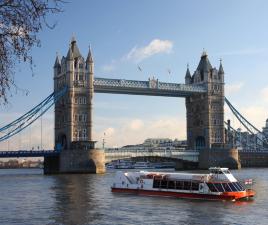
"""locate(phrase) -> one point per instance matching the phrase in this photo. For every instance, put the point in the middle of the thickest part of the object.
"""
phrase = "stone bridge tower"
(205, 116)
(73, 113)
(205, 112)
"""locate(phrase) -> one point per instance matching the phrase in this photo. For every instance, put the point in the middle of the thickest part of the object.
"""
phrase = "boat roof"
(218, 169)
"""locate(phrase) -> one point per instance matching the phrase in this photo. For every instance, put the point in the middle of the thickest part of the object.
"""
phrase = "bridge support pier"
(219, 157)
(80, 159)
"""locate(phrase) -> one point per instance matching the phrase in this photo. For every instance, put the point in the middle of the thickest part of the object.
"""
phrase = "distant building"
(265, 132)
(155, 144)
(265, 129)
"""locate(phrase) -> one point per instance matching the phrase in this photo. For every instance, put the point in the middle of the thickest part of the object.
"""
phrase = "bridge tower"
(73, 114)
(205, 117)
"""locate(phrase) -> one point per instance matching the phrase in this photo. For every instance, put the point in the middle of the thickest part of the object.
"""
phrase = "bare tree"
(20, 22)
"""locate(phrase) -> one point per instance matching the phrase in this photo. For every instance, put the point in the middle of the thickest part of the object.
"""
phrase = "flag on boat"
(248, 181)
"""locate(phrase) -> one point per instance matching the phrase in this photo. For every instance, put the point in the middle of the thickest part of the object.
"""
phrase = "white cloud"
(109, 131)
(233, 88)
(136, 124)
(156, 46)
(135, 131)
(255, 114)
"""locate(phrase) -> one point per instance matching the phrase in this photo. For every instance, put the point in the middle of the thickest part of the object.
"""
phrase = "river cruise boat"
(218, 184)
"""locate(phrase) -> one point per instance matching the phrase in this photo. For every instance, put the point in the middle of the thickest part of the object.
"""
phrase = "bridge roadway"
(151, 87)
(183, 154)
(27, 153)
(112, 154)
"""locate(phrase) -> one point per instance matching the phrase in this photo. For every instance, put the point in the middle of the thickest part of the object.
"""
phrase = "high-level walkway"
(151, 87)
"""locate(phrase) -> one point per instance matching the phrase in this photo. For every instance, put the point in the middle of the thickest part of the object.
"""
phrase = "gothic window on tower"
(81, 65)
(81, 76)
(84, 133)
(84, 117)
(84, 100)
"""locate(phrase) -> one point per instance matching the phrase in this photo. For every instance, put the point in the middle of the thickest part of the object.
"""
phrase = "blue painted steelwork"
(28, 118)
(151, 87)
(260, 148)
(27, 153)
(249, 126)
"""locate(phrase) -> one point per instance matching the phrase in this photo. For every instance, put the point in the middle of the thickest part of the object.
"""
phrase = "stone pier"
(219, 157)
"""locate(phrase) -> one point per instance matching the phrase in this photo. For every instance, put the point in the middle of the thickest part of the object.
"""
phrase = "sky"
(157, 36)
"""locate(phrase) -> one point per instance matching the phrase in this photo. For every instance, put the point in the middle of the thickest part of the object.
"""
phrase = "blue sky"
(157, 36)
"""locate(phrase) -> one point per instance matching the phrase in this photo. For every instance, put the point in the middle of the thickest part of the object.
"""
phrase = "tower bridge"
(74, 88)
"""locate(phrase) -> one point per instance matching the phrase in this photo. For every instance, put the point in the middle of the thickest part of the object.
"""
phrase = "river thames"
(28, 197)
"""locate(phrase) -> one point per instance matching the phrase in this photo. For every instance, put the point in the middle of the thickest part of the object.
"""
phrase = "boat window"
(179, 185)
(156, 184)
(226, 187)
(163, 184)
(236, 184)
(187, 185)
(241, 186)
(232, 187)
(171, 184)
(219, 187)
(216, 171)
(212, 187)
(195, 186)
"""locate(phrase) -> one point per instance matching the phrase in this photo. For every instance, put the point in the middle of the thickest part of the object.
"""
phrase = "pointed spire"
(204, 64)
(89, 56)
(57, 61)
(70, 53)
(204, 53)
(75, 49)
(188, 74)
(73, 39)
(221, 71)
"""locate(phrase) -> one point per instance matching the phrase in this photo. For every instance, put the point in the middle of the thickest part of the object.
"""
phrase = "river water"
(28, 197)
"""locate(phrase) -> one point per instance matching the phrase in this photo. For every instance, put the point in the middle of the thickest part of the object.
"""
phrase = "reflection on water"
(28, 197)
(74, 199)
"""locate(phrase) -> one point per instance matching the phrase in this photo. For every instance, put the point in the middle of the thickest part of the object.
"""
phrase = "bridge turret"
(57, 66)
(90, 70)
(90, 75)
(188, 77)
(221, 72)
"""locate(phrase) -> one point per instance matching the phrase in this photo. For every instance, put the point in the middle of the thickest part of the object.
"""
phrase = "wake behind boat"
(219, 184)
